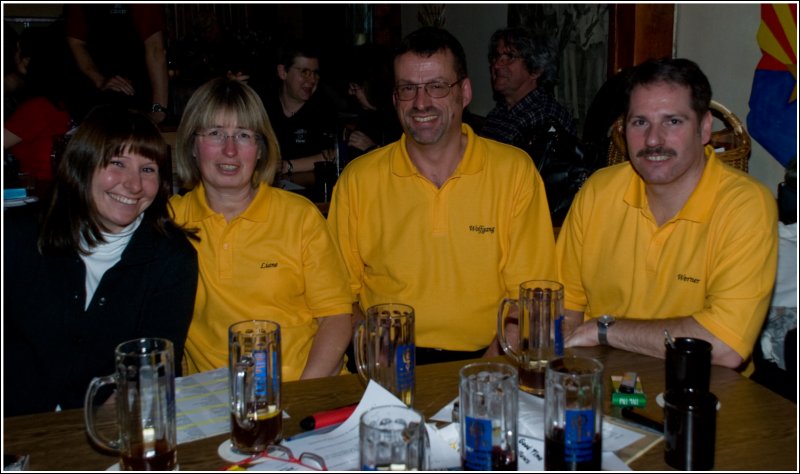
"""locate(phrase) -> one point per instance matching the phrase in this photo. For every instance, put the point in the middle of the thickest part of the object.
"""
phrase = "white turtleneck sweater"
(105, 256)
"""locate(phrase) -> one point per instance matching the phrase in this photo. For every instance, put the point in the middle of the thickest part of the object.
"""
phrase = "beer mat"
(226, 452)
(633, 451)
(660, 401)
(17, 202)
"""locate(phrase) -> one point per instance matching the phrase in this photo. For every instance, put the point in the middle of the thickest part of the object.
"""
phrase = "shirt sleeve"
(148, 19)
(531, 243)
(343, 224)
(327, 292)
(742, 266)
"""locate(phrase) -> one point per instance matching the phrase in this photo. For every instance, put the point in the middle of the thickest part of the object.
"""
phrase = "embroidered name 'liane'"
(686, 278)
(268, 265)
(481, 229)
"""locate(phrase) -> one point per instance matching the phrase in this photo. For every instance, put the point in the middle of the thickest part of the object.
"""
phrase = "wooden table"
(756, 429)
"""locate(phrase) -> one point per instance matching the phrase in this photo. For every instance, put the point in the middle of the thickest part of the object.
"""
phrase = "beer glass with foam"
(539, 311)
(254, 353)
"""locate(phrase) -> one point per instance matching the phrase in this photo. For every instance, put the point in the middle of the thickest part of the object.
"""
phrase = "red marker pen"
(327, 418)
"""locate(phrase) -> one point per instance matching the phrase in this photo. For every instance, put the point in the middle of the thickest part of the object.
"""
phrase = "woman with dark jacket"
(105, 265)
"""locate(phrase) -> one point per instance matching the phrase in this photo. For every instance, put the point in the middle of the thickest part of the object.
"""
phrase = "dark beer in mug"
(156, 458)
(559, 457)
(254, 434)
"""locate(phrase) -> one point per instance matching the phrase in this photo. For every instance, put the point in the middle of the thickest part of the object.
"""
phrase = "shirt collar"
(471, 162)
(256, 211)
(698, 206)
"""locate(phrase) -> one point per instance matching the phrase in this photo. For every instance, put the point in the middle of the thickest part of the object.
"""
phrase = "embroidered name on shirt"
(688, 279)
(269, 265)
(480, 229)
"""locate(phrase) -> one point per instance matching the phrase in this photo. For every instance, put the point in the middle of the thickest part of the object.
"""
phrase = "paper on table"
(201, 405)
(339, 447)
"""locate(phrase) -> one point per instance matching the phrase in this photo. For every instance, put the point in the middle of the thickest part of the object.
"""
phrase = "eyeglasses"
(436, 90)
(306, 73)
(504, 58)
(279, 455)
(218, 137)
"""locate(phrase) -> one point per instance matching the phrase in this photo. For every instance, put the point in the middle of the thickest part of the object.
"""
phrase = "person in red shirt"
(44, 117)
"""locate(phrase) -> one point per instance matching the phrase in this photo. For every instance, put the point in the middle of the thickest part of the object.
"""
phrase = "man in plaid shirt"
(523, 70)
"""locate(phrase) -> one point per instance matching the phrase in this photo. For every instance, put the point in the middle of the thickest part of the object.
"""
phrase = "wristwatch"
(158, 108)
(603, 323)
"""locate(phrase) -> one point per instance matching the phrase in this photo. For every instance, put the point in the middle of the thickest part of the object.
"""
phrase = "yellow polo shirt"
(715, 260)
(275, 261)
(453, 253)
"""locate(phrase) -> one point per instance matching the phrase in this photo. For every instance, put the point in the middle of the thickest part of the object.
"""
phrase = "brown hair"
(106, 132)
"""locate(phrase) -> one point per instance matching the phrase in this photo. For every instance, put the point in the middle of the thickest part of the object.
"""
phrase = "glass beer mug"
(385, 349)
(145, 402)
(254, 353)
(540, 313)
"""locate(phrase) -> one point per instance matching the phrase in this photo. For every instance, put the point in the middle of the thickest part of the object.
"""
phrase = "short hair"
(539, 52)
(294, 49)
(228, 97)
(429, 40)
(106, 132)
(680, 71)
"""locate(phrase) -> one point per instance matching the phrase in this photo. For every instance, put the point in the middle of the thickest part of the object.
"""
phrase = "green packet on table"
(620, 399)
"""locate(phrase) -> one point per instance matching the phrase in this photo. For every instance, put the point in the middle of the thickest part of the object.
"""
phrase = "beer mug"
(573, 415)
(145, 402)
(254, 354)
(489, 404)
(393, 438)
(540, 312)
(385, 350)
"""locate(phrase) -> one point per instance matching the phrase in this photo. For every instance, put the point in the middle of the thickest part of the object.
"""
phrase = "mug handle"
(88, 413)
(501, 328)
(241, 392)
(359, 349)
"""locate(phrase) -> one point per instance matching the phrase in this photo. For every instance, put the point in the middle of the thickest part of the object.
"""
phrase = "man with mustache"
(443, 220)
(672, 240)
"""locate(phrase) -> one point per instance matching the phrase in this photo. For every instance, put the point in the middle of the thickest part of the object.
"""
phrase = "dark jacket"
(52, 347)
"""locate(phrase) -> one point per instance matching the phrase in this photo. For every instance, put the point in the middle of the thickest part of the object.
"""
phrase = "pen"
(643, 420)
(325, 418)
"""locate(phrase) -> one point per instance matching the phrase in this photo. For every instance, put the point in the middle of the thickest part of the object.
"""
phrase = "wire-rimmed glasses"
(306, 73)
(436, 90)
(281, 454)
(503, 58)
(218, 136)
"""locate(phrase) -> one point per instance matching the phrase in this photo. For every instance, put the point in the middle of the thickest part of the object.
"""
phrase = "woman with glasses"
(264, 253)
(106, 265)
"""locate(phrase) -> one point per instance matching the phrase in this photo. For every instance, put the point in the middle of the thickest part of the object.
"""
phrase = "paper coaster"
(226, 452)
(660, 401)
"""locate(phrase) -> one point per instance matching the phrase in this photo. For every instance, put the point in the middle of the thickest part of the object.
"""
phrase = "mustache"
(659, 150)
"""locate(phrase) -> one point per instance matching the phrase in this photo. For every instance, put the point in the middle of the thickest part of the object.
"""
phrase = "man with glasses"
(304, 120)
(443, 220)
(524, 71)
